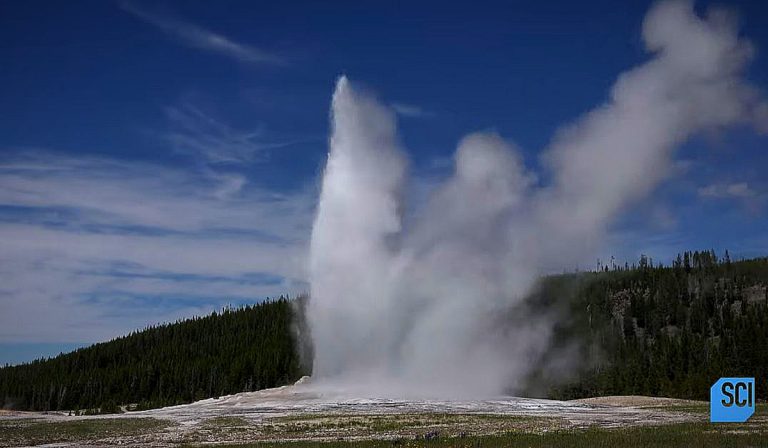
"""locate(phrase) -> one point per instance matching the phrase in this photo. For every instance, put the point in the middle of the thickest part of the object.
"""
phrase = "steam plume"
(410, 311)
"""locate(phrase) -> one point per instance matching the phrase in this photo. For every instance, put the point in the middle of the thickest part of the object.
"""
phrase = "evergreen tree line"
(235, 350)
(663, 331)
(639, 329)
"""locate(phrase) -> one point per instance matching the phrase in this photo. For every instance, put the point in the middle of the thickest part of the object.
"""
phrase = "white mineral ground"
(300, 403)
(302, 399)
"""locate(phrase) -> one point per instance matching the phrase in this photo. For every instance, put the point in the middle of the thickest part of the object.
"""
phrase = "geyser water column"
(411, 313)
(435, 309)
(354, 238)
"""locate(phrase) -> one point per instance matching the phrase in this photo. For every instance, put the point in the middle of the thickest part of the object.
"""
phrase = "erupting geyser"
(414, 311)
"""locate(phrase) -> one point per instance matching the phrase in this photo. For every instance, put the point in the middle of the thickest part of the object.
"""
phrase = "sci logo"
(732, 400)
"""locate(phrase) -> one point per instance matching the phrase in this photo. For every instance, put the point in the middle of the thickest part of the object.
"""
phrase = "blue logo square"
(732, 400)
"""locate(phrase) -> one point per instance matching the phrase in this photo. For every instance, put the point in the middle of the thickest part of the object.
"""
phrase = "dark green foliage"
(232, 351)
(644, 329)
(665, 331)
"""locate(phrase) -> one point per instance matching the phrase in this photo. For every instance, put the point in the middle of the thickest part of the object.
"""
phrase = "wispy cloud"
(740, 190)
(751, 198)
(411, 111)
(198, 37)
(82, 236)
(196, 132)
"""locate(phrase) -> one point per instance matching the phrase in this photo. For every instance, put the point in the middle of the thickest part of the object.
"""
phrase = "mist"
(408, 311)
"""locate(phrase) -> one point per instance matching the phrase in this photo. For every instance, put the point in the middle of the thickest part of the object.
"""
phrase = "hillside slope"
(238, 350)
(631, 330)
(663, 331)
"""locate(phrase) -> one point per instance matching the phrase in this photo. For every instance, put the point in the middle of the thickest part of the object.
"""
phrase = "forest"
(640, 329)
(235, 350)
(661, 331)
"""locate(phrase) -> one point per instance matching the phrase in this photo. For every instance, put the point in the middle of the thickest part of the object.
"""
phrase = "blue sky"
(161, 159)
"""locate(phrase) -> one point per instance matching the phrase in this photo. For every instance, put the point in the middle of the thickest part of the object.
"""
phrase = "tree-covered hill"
(641, 329)
(232, 351)
(662, 331)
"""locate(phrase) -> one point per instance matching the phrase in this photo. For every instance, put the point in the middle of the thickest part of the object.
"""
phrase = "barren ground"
(297, 413)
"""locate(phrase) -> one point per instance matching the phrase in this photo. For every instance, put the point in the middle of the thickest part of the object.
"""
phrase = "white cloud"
(740, 190)
(411, 111)
(198, 37)
(195, 132)
(83, 237)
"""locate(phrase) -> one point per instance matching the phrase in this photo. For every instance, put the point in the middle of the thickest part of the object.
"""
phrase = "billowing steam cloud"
(410, 311)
